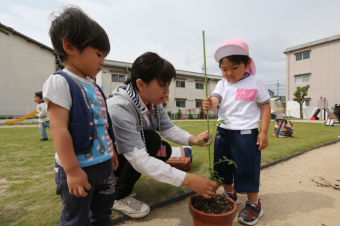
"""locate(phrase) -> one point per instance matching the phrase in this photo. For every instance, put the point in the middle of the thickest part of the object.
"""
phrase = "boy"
(81, 129)
(44, 121)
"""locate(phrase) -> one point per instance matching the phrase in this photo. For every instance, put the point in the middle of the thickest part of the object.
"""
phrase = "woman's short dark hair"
(39, 94)
(238, 59)
(149, 66)
(73, 24)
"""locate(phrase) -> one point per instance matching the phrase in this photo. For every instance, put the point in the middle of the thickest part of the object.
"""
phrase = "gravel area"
(304, 190)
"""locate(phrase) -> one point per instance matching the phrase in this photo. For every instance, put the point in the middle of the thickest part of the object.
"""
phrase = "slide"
(314, 117)
(22, 118)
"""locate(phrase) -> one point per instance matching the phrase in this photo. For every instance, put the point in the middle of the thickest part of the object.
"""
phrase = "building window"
(180, 84)
(307, 102)
(117, 78)
(198, 103)
(180, 103)
(302, 56)
(199, 86)
(302, 78)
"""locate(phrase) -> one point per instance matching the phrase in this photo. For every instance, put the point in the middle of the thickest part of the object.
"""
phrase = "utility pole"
(278, 86)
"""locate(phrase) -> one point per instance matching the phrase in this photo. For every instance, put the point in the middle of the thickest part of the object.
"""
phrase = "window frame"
(199, 83)
(302, 55)
(119, 76)
(181, 82)
(302, 76)
(184, 101)
(307, 100)
(198, 101)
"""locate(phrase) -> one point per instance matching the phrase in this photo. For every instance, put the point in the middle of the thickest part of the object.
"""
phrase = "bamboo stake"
(206, 94)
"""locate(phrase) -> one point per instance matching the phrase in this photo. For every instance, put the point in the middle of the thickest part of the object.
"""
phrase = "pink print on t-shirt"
(246, 94)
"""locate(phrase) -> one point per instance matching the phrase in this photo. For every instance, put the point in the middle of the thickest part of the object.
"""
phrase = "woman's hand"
(200, 140)
(201, 185)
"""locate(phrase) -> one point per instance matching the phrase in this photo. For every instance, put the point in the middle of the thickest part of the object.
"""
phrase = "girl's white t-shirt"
(240, 102)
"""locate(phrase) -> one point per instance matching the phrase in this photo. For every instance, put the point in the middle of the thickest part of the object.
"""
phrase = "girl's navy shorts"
(240, 146)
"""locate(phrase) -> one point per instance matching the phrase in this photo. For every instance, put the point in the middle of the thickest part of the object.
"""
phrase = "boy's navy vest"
(81, 121)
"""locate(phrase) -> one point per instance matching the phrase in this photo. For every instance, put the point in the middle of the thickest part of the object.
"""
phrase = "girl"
(244, 100)
(136, 113)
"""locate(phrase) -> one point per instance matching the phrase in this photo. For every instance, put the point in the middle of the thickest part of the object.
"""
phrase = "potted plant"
(219, 209)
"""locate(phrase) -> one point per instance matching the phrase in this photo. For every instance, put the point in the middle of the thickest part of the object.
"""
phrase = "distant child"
(244, 100)
(80, 126)
(44, 121)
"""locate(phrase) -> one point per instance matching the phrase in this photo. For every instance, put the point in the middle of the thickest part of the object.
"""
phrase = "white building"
(26, 64)
(186, 91)
(316, 64)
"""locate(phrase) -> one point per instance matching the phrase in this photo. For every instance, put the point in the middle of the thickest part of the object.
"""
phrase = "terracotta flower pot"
(204, 219)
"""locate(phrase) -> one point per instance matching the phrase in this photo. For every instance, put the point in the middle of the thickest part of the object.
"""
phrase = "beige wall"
(324, 67)
(25, 66)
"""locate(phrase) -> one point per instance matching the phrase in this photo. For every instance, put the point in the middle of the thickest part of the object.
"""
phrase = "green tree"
(300, 94)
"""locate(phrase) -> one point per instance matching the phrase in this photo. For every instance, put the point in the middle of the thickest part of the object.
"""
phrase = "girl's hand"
(262, 140)
(77, 180)
(207, 103)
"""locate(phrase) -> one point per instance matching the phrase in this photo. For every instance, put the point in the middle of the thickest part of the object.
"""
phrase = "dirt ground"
(303, 191)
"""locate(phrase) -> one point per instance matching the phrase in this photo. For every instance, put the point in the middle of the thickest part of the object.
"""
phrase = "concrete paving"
(303, 191)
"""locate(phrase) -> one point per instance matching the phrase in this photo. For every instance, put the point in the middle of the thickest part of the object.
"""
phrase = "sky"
(173, 28)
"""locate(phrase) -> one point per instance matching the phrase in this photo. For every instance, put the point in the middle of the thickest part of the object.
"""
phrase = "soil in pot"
(217, 204)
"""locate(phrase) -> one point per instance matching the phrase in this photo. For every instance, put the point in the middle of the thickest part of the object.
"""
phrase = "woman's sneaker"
(233, 197)
(251, 213)
(131, 207)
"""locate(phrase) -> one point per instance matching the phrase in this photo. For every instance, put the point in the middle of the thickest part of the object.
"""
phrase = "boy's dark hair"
(39, 94)
(149, 66)
(73, 24)
(238, 59)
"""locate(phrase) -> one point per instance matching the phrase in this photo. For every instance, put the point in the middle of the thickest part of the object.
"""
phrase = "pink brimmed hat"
(235, 47)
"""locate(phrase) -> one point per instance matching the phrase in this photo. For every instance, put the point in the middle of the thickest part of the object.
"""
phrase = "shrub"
(190, 116)
(3, 117)
(179, 114)
(169, 113)
(10, 117)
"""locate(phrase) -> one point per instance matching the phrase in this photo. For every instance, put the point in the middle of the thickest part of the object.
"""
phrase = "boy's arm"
(42, 111)
(262, 138)
(76, 177)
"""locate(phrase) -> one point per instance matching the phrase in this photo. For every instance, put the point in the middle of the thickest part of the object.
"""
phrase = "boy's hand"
(207, 103)
(262, 140)
(77, 180)
(114, 158)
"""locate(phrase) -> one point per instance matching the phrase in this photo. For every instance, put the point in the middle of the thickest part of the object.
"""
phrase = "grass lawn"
(27, 188)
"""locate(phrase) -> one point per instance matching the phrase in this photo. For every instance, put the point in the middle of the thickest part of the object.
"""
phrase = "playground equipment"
(323, 109)
(185, 112)
(22, 118)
